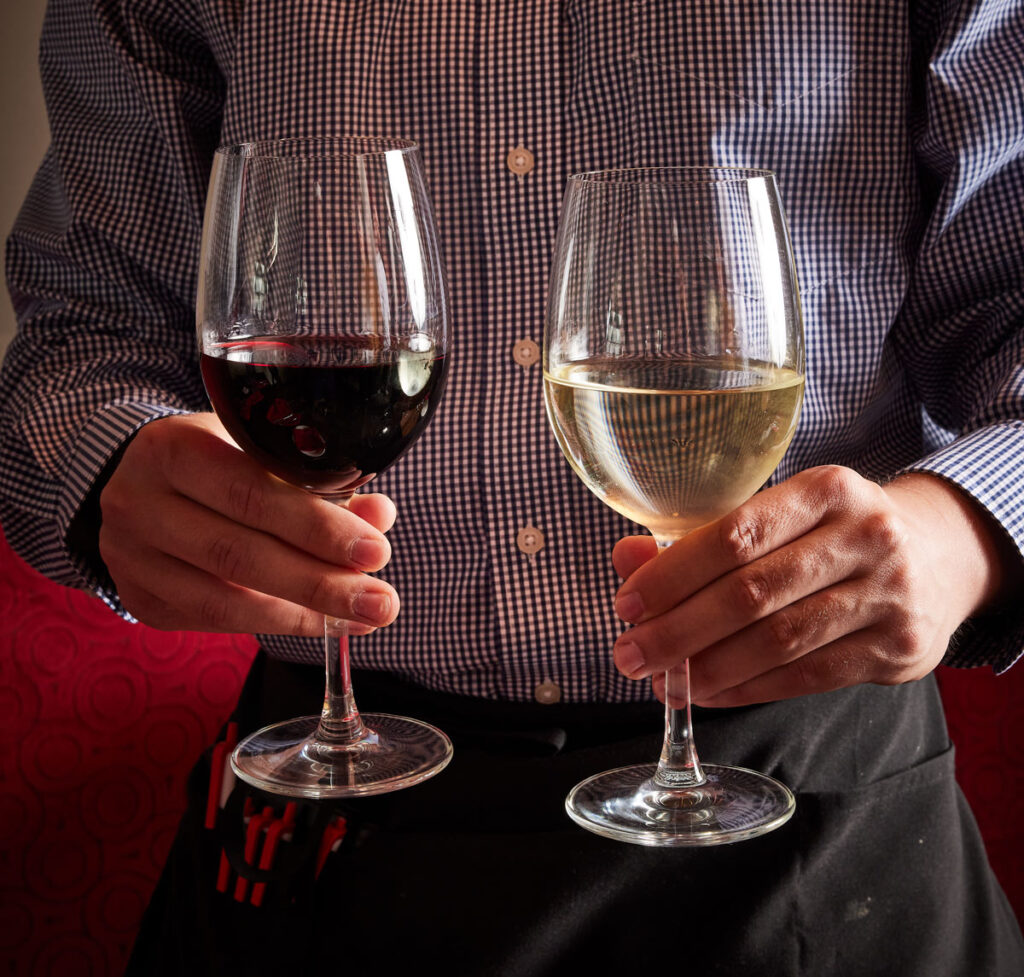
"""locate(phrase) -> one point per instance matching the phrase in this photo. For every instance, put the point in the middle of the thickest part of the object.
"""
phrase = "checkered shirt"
(896, 131)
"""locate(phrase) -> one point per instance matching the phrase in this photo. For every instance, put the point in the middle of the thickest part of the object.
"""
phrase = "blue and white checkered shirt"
(896, 131)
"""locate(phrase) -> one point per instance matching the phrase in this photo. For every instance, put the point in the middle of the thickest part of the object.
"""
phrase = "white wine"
(670, 443)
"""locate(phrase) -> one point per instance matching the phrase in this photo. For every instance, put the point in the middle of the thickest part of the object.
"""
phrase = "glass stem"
(678, 766)
(340, 724)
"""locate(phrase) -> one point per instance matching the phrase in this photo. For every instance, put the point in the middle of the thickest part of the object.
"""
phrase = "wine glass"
(673, 378)
(323, 338)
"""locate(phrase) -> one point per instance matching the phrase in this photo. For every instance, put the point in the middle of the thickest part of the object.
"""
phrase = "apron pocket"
(893, 879)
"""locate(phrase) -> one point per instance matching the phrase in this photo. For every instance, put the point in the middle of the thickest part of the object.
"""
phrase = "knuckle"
(742, 535)
(904, 640)
(900, 586)
(834, 484)
(898, 650)
(231, 558)
(247, 500)
(825, 615)
(896, 608)
(883, 532)
(318, 594)
(785, 632)
(305, 623)
(752, 591)
(809, 675)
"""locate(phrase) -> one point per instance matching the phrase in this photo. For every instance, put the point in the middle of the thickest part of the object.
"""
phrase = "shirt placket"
(522, 173)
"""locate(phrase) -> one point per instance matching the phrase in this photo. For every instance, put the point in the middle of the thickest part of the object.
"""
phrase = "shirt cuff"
(986, 464)
(105, 435)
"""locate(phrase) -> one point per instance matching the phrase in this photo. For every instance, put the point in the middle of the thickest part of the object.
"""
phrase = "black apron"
(479, 871)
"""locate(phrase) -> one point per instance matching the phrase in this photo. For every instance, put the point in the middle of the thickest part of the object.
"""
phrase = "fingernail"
(629, 658)
(373, 608)
(365, 552)
(630, 607)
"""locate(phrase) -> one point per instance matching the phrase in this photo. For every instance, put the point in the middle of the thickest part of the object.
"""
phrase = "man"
(888, 542)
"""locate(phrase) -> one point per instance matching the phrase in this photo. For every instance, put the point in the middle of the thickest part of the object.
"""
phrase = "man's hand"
(198, 536)
(823, 581)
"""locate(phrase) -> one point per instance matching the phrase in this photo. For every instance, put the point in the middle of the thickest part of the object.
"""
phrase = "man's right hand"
(198, 536)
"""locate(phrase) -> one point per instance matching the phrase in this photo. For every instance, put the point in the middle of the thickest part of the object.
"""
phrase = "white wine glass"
(323, 340)
(673, 379)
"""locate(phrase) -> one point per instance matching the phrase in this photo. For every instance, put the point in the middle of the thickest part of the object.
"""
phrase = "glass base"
(287, 759)
(732, 804)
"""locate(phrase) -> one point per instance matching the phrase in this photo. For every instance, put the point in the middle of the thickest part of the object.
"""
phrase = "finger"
(733, 602)
(207, 469)
(257, 561)
(790, 633)
(771, 519)
(189, 599)
(631, 553)
(837, 665)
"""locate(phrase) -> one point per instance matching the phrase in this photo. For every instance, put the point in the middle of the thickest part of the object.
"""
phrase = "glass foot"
(287, 759)
(732, 804)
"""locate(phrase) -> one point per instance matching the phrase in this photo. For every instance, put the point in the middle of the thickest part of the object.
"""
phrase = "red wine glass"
(323, 342)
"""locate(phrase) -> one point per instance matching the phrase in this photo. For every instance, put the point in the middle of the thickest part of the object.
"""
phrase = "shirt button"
(519, 160)
(526, 352)
(547, 693)
(530, 539)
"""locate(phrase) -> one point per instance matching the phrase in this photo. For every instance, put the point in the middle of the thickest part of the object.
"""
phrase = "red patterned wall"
(101, 720)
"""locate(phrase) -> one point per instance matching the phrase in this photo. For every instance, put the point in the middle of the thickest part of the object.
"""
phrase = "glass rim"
(325, 147)
(633, 176)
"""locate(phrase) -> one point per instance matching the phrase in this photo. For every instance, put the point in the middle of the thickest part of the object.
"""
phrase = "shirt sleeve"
(960, 334)
(101, 264)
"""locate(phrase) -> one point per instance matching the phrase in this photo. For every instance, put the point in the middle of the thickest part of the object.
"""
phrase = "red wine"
(325, 413)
